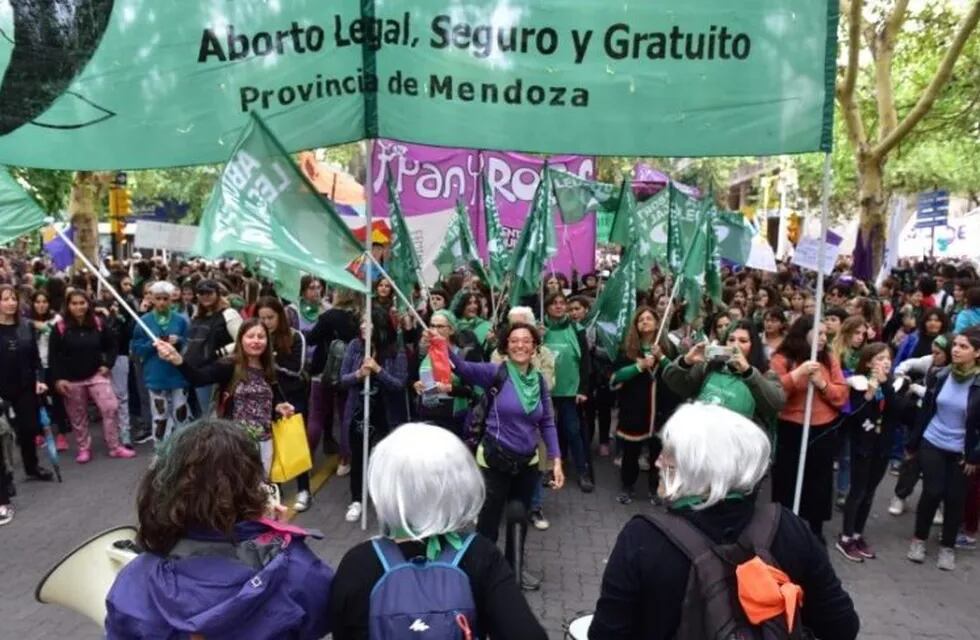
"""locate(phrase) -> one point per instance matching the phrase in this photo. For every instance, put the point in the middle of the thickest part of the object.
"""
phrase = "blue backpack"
(419, 599)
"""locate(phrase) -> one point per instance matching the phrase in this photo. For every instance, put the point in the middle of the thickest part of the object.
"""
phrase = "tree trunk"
(871, 195)
(83, 213)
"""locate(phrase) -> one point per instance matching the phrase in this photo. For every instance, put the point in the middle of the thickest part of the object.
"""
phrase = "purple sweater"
(506, 419)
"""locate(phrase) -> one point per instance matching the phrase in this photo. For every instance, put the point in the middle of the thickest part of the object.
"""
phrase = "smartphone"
(718, 352)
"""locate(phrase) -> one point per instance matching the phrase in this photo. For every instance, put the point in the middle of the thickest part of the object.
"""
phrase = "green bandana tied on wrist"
(527, 385)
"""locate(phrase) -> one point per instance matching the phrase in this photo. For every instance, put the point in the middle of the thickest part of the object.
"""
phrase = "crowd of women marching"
(895, 388)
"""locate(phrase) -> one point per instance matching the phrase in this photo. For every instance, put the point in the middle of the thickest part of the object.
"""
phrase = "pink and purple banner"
(432, 179)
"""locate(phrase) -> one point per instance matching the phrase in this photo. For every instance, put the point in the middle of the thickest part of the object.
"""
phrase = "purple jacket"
(393, 377)
(223, 598)
(506, 419)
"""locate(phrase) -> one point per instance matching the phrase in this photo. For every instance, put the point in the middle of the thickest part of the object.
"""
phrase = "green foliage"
(50, 188)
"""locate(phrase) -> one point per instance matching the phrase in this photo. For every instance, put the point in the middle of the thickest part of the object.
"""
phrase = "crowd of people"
(533, 396)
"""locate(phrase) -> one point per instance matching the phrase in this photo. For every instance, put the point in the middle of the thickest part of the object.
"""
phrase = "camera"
(718, 352)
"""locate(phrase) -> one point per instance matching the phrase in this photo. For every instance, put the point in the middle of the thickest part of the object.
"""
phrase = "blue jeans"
(844, 466)
(567, 421)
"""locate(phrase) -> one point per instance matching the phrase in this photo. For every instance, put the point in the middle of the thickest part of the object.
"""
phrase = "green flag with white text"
(616, 303)
(536, 244)
(577, 197)
(623, 228)
(458, 249)
(19, 212)
(402, 263)
(496, 252)
(264, 206)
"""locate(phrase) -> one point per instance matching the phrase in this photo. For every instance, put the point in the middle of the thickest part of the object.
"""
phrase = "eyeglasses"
(439, 326)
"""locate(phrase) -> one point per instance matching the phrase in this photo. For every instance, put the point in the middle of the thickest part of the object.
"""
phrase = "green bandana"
(162, 319)
(526, 385)
(692, 501)
(433, 547)
(477, 325)
(964, 374)
(850, 359)
(309, 310)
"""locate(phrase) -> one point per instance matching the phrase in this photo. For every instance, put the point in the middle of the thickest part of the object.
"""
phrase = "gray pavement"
(896, 599)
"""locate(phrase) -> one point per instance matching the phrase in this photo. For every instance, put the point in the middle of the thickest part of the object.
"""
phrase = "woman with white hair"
(166, 387)
(427, 492)
(712, 462)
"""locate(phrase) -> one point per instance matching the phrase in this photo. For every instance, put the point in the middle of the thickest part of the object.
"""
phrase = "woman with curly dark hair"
(202, 524)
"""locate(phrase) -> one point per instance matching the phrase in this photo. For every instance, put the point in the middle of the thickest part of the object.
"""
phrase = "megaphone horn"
(81, 580)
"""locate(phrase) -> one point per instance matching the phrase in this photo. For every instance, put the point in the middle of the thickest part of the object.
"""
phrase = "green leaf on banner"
(536, 244)
(19, 212)
(264, 206)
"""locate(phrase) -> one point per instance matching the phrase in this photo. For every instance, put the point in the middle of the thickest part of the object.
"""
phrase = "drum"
(578, 629)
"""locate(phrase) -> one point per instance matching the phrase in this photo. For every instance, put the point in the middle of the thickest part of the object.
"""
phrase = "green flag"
(699, 271)
(495, 236)
(536, 244)
(403, 263)
(734, 236)
(683, 226)
(263, 205)
(285, 277)
(623, 230)
(19, 213)
(614, 308)
(458, 249)
(577, 197)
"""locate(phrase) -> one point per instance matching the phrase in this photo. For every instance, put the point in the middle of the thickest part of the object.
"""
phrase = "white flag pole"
(398, 292)
(368, 149)
(102, 279)
(817, 319)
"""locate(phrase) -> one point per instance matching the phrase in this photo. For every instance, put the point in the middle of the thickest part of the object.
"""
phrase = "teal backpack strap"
(389, 555)
(462, 550)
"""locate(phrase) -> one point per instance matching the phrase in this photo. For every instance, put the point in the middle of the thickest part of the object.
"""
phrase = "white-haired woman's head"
(424, 482)
(521, 314)
(162, 288)
(709, 452)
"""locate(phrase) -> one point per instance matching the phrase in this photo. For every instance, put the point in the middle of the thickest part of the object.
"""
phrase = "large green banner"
(107, 84)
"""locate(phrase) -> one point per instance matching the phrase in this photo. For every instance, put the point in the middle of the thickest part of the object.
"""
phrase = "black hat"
(207, 286)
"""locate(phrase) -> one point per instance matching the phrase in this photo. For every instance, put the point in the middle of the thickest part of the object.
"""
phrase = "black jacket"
(20, 360)
(77, 351)
(220, 373)
(333, 324)
(645, 579)
(877, 440)
(934, 384)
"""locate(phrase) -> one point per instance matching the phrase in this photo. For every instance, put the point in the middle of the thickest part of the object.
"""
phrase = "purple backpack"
(419, 599)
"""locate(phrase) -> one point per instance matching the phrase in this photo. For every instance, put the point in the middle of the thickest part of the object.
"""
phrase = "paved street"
(896, 600)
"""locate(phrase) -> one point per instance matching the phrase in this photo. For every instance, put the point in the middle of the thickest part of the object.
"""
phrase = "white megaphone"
(81, 580)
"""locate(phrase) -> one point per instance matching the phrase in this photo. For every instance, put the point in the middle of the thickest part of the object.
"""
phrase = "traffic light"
(793, 228)
(125, 202)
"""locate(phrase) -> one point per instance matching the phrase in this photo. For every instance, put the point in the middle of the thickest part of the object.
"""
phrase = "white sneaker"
(917, 551)
(897, 506)
(644, 462)
(353, 512)
(937, 520)
(343, 469)
(947, 559)
(303, 500)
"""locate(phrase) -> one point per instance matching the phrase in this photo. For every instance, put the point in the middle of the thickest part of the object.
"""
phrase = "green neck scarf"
(433, 545)
(850, 359)
(309, 310)
(163, 319)
(964, 374)
(527, 385)
(692, 501)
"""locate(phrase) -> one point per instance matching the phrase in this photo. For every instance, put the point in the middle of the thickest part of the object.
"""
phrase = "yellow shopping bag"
(290, 450)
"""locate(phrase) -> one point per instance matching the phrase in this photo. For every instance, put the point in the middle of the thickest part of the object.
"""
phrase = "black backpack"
(334, 363)
(711, 608)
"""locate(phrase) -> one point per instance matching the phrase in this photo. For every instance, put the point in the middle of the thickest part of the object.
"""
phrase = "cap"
(207, 286)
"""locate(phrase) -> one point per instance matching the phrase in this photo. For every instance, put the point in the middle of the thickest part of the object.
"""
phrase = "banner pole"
(102, 280)
(665, 321)
(817, 319)
(368, 149)
(398, 291)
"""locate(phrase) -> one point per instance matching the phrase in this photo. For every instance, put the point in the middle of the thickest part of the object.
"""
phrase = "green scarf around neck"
(309, 310)
(163, 319)
(433, 545)
(851, 358)
(964, 374)
(526, 385)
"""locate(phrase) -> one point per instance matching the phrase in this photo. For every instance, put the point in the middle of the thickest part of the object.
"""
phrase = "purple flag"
(61, 254)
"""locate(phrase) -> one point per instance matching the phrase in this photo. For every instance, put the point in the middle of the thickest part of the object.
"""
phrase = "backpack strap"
(388, 552)
(759, 533)
(684, 535)
(462, 550)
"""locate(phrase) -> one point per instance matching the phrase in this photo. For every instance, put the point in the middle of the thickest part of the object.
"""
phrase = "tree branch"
(928, 98)
(845, 89)
(884, 83)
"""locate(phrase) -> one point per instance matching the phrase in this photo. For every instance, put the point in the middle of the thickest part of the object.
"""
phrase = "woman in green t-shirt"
(739, 380)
